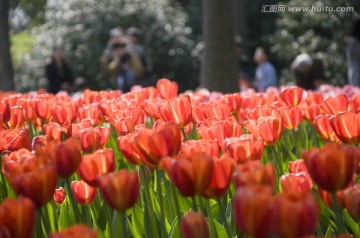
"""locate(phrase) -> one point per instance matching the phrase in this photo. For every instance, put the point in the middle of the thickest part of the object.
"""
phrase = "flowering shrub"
(156, 163)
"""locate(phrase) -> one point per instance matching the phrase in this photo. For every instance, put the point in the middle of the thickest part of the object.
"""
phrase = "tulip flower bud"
(194, 225)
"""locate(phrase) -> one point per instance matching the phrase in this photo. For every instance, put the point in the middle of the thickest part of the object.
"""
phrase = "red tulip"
(297, 214)
(335, 105)
(221, 177)
(261, 111)
(314, 98)
(5, 110)
(76, 231)
(330, 167)
(269, 128)
(121, 189)
(53, 130)
(177, 110)
(298, 166)
(219, 130)
(291, 117)
(191, 175)
(59, 195)
(38, 184)
(253, 172)
(129, 149)
(89, 111)
(328, 197)
(323, 127)
(14, 139)
(124, 126)
(346, 126)
(292, 96)
(93, 165)
(351, 198)
(234, 101)
(64, 112)
(67, 156)
(311, 112)
(41, 106)
(90, 139)
(154, 145)
(296, 183)
(244, 148)
(253, 210)
(194, 225)
(17, 218)
(206, 146)
(16, 118)
(166, 88)
(84, 194)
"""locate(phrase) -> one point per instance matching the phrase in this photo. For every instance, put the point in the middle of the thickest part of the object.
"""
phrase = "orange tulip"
(67, 156)
(121, 189)
(253, 172)
(323, 127)
(84, 194)
(177, 109)
(59, 195)
(328, 198)
(221, 177)
(292, 96)
(191, 175)
(346, 126)
(17, 218)
(104, 133)
(335, 105)
(166, 88)
(261, 111)
(297, 214)
(291, 117)
(93, 165)
(194, 225)
(296, 183)
(124, 126)
(156, 144)
(330, 167)
(76, 231)
(253, 210)
(244, 148)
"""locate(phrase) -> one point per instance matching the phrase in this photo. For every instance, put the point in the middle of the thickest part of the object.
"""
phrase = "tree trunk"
(219, 68)
(240, 24)
(6, 71)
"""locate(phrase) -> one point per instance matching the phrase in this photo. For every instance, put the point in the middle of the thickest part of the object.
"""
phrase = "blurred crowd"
(125, 64)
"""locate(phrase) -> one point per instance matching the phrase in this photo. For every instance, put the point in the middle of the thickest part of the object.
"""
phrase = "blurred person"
(114, 34)
(353, 54)
(308, 71)
(124, 67)
(244, 66)
(265, 74)
(135, 38)
(58, 72)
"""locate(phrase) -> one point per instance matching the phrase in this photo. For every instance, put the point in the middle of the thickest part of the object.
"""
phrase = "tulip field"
(154, 162)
